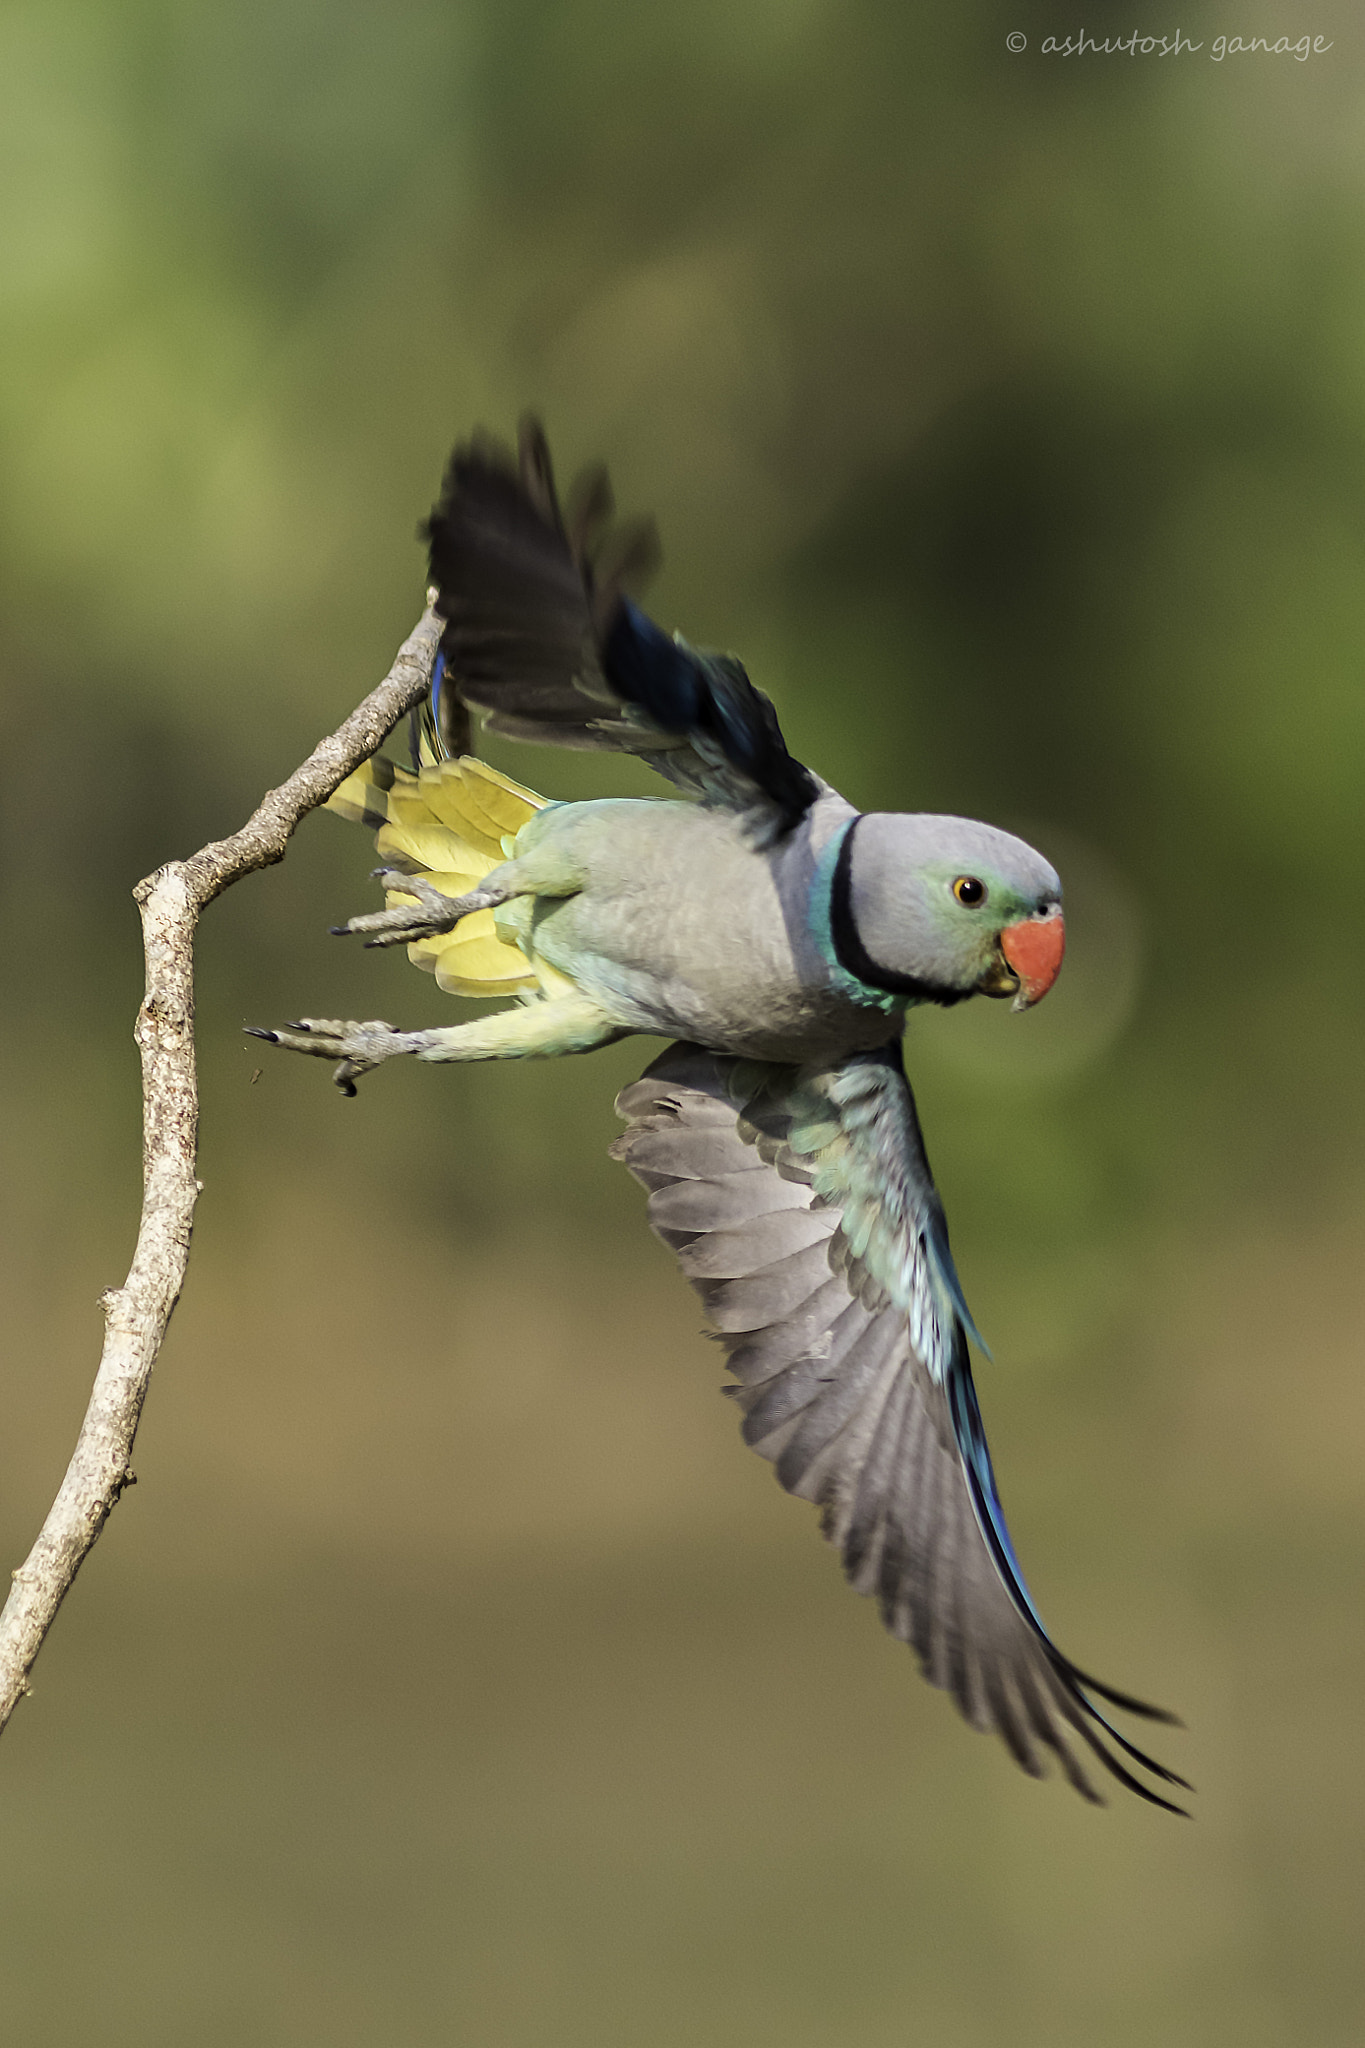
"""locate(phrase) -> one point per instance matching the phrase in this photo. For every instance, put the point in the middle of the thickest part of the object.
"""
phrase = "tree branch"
(136, 1315)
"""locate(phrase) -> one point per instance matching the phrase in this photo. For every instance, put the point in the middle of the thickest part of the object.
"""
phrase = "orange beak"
(1034, 948)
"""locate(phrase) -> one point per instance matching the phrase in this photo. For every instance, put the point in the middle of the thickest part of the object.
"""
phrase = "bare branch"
(136, 1314)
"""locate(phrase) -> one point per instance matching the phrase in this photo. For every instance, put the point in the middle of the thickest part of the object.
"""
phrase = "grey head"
(943, 908)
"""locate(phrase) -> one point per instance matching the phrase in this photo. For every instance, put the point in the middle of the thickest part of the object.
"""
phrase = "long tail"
(451, 822)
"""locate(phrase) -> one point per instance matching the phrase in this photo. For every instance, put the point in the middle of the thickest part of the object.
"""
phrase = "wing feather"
(759, 1355)
(728, 1198)
(800, 1204)
(771, 1236)
(753, 1300)
(541, 636)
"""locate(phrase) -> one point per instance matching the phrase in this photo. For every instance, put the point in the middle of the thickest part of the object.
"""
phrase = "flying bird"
(777, 936)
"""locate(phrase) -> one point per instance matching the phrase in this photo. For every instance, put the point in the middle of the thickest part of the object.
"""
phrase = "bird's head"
(943, 908)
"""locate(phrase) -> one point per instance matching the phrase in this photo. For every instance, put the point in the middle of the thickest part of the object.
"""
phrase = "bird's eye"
(970, 891)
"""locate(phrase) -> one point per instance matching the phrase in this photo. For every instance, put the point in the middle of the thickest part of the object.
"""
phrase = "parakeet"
(778, 937)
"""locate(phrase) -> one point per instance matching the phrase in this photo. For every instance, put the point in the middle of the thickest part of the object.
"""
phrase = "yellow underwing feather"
(474, 961)
(481, 806)
(451, 823)
(422, 846)
(552, 982)
(363, 796)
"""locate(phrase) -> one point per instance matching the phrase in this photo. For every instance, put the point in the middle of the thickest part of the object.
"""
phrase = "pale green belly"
(679, 927)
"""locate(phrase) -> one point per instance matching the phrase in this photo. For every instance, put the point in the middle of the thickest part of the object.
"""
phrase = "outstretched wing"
(800, 1204)
(542, 637)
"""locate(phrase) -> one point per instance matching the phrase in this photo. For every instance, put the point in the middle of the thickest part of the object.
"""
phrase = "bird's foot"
(431, 914)
(356, 1047)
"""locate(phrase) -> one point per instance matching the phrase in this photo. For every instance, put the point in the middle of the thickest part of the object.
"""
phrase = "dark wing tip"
(491, 491)
(536, 469)
(541, 626)
(1125, 1700)
(589, 509)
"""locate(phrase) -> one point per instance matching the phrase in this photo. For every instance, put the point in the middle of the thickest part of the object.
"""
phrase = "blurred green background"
(454, 1675)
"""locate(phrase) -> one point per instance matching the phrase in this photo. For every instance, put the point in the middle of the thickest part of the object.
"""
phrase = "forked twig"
(137, 1313)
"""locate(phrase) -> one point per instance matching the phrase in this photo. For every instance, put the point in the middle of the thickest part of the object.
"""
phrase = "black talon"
(255, 1031)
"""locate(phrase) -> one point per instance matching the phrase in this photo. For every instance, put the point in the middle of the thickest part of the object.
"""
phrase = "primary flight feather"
(778, 936)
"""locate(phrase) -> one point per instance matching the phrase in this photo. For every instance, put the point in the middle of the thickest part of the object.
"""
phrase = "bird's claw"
(356, 1047)
(403, 924)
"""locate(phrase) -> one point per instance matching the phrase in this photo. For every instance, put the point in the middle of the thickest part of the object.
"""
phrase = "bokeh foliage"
(454, 1675)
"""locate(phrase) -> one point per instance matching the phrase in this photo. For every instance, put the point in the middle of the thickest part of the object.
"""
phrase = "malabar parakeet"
(777, 936)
